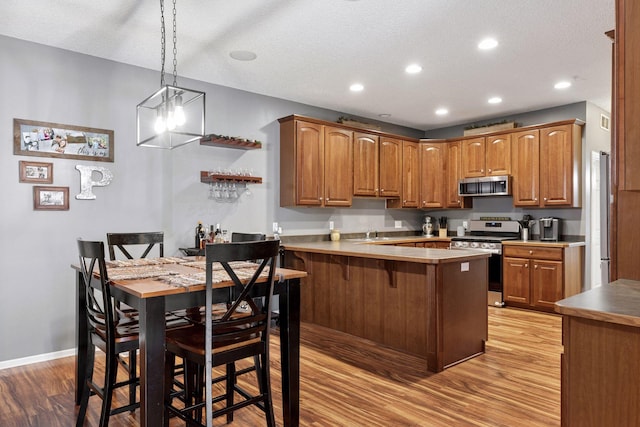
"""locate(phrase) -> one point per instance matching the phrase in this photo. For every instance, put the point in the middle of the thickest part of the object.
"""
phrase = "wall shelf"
(214, 140)
(206, 178)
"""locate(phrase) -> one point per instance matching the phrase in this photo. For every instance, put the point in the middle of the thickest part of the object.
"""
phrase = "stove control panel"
(492, 247)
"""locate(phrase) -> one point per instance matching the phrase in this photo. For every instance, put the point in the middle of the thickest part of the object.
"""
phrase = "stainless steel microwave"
(485, 186)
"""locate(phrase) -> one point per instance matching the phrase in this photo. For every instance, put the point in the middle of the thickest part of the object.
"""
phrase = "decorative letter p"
(86, 183)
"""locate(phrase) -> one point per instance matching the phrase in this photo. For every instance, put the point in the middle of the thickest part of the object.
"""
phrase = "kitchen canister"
(335, 235)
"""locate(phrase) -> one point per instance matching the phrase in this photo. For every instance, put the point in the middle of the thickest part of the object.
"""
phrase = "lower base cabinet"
(536, 276)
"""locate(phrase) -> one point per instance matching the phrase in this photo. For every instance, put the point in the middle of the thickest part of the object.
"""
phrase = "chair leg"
(169, 369)
(230, 387)
(109, 381)
(86, 391)
(133, 370)
(265, 389)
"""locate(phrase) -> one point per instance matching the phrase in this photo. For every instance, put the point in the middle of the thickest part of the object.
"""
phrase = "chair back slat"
(121, 240)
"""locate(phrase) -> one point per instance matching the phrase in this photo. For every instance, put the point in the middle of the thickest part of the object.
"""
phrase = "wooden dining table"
(153, 297)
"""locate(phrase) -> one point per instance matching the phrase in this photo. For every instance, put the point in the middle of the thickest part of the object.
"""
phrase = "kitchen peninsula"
(428, 302)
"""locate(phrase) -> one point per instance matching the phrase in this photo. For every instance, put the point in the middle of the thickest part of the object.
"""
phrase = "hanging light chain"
(162, 42)
(175, 47)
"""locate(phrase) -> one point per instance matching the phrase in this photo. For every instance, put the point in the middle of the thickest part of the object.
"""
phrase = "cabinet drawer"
(533, 252)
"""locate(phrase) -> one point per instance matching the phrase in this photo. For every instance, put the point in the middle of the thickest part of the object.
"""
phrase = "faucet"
(368, 237)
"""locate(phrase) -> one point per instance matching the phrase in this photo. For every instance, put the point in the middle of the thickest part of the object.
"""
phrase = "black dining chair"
(247, 237)
(122, 240)
(226, 337)
(108, 332)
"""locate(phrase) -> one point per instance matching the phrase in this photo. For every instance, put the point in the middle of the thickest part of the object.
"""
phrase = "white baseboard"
(37, 358)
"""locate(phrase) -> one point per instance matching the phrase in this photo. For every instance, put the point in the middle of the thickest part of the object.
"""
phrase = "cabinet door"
(525, 162)
(433, 157)
(547, 283)
(338, 164)
(390, 167)
(557, 166)
(453, 175)
(498, 155)
(473, 157)
(365, 164)
(515, 278)
(410, 174)
(309, 164)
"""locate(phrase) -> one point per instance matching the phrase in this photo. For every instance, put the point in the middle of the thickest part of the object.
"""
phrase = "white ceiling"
(310, 51)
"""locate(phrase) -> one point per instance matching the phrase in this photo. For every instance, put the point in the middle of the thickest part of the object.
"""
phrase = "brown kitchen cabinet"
(390, 167)
(547, 165)
(409, 198)
(316, 164)
(486, 156)
(453, 175)
(433, 161)
(366, 165)
(538, 276)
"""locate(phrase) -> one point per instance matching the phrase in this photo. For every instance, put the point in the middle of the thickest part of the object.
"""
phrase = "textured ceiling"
(310, 51)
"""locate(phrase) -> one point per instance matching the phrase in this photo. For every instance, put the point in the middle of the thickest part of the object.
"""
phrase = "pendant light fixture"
(173, 116)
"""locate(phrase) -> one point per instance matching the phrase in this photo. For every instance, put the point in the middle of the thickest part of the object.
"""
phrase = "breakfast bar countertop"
(387, 251)
(617, 302)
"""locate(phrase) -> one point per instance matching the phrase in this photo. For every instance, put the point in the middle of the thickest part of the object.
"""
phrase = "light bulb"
(171, 122)
(160, 126)
(179, 116)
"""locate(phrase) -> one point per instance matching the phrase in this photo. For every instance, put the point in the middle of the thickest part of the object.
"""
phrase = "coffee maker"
(549, 229)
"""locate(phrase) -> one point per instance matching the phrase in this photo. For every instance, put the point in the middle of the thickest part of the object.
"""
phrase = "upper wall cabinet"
(366, 165)
(316, 164)
(486, 156)
(433, 161)
(390, 167)
(410, 167)
(547, 166)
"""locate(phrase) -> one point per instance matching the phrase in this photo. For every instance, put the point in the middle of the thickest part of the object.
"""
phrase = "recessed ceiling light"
(243, 55)
(384, 115)
(487, 44)
(495, 100)
(356, 87)
(442, 111)
(562, 85)
(413, 69)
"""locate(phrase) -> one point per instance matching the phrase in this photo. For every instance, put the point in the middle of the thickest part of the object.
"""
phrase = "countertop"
(549, 244)
(384, 249)
(617, 302)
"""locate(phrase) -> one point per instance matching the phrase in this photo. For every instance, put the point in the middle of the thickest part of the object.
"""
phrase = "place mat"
(138, 262)
(218, 276)
(202, 265)
(139, 272)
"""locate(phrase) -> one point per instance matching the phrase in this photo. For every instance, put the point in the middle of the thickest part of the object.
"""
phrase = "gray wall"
(151, 190)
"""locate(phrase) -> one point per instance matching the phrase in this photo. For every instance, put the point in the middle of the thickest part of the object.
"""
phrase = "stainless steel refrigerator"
(605, 200)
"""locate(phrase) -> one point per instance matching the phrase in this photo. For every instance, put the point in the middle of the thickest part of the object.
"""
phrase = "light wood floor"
(347, 381)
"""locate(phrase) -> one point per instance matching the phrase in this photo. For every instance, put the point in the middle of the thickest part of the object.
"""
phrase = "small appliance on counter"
(427, 227)
(549, 229)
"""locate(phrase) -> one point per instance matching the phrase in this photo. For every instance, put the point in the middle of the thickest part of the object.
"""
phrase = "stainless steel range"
(487, 235)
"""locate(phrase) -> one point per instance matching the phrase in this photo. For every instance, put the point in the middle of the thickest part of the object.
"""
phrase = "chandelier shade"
(170, 118)
(173, 116)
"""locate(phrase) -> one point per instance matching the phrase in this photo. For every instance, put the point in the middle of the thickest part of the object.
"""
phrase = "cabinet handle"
(382, 190)
(535, 266)
(530, 252)
(327, 199)
(535, 199)
(545, 199)
(526, 266)
(482, 170)
(320, 198)
(489, 170)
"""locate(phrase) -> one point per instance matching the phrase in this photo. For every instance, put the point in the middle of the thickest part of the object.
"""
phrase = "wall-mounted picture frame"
(44, 139)
(36, 172)
(47, 198)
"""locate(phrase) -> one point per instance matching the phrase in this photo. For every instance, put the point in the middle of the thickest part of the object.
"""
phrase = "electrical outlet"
(398, 224)
(465, 224)
(275, 227)
(330, 225)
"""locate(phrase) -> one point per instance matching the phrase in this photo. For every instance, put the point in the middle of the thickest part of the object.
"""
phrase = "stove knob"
(485, 245)
(474, 244)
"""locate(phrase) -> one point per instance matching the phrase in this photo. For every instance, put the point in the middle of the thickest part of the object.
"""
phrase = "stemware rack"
(214, 140)
(207, 178)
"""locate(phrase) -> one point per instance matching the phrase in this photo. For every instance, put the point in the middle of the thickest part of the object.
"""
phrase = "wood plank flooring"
(347, 381)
